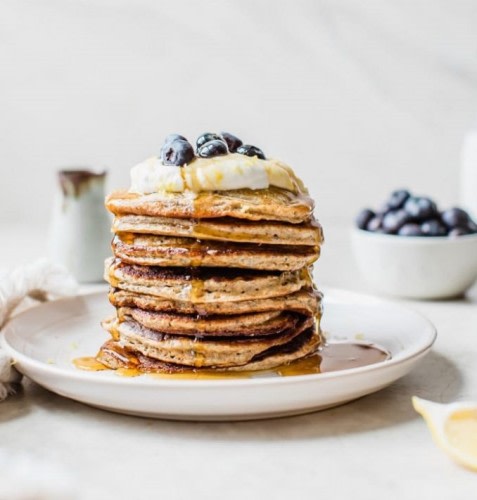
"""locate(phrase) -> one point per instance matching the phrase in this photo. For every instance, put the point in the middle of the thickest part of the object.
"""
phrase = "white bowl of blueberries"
(410, 249)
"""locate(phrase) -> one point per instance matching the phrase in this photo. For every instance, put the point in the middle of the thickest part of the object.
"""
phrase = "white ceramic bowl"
(416, 267)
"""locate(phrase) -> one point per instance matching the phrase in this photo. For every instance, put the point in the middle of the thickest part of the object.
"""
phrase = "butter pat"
(221, 173)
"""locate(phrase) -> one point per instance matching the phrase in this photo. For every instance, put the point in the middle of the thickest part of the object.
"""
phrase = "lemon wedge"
(453, 427)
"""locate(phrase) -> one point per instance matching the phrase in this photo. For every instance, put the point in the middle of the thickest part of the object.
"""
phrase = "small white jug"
(80, 226)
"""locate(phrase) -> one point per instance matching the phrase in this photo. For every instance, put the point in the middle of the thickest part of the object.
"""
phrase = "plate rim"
(51, 369)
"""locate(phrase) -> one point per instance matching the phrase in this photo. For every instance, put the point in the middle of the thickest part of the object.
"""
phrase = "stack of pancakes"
(212, 280)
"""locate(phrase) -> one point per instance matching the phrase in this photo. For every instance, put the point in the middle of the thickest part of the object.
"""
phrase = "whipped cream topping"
(220, 173)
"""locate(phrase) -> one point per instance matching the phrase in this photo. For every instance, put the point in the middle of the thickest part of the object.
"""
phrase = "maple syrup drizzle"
(126, 237)
(197, 290)
(201, 230)
(90, 364)
(331, 357)
(129, 372)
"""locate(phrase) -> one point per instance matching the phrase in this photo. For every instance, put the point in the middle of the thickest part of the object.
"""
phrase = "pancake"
(225, 229)
(251, 324)
(261, 204)
(305, 301)
(197, 352)
(208, 279)
(199, 285)
(115, 356)
(151, 250)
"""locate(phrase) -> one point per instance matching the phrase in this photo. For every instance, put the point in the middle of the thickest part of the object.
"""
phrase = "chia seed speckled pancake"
(198, 352)
(250, 324)
(225, 229)
(305, 301)
(150, 250)
(261, 204)
(113, 355)
(199, 285)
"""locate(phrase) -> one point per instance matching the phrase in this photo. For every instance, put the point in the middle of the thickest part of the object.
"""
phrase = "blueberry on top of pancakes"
(176, 150)
(249, 150)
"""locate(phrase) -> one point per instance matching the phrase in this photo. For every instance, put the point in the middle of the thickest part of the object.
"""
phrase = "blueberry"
(167, 142)
(232, 142)
(410, 229)
(248, 150)
(433, 227)
(471, 226)
(375, 225)
(213, 148)
(398, 198)
(420, 208)
(172, 137)
(178, 152)
(384, 208)
(207, 137)
(455, 217)
(458, 231)
(394, 220)
(364, 217)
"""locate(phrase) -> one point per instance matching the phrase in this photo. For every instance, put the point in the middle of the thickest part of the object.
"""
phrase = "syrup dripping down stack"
(216, 280)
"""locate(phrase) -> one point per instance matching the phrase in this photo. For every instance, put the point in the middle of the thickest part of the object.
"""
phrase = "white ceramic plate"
(44, 340)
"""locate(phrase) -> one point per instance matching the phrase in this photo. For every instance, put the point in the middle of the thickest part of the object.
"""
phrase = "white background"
(360, 97)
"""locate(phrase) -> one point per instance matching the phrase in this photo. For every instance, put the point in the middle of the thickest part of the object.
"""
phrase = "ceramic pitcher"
(79, 233)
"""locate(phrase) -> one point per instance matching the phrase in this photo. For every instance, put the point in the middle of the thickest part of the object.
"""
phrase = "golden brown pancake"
(262, 204)
(199, 285)
(151, 250)
(225, 229)
(251, 324)
(307, 301)
(115, 356)
(198, 352)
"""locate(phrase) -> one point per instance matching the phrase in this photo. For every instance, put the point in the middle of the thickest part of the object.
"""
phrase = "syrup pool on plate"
(331, 357)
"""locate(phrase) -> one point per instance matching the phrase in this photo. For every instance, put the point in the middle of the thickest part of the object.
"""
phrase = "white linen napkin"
(40, 281)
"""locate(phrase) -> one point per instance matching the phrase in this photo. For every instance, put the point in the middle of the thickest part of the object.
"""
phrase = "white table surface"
(376, 447)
